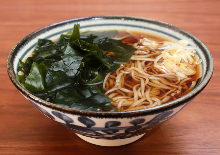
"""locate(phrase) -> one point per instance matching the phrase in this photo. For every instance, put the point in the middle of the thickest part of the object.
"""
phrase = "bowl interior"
(24, 48)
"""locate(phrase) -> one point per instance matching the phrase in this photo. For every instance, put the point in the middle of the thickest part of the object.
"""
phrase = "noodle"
(152, 76)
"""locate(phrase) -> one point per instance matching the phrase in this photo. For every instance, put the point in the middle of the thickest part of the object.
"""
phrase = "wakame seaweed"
(69, 71)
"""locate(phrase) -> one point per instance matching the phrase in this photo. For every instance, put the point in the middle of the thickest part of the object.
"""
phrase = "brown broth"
(133, 37)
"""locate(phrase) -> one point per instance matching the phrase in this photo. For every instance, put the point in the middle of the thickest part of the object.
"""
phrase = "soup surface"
(109, 70)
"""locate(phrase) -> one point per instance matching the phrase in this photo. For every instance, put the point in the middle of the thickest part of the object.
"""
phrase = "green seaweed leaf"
(35, 81)
(76, 34)
(84, 98)
(68, 71)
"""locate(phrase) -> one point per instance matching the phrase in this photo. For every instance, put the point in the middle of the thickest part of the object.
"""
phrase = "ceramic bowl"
(110, 128)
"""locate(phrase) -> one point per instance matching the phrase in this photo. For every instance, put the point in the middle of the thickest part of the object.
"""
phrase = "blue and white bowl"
(110, 128)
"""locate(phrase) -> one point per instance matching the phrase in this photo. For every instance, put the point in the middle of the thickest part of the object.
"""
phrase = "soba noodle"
(157, 72)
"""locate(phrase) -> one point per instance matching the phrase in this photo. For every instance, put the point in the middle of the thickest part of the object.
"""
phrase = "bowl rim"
(141, 112)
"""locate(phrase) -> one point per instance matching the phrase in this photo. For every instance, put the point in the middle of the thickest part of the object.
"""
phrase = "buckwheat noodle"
(157, 72)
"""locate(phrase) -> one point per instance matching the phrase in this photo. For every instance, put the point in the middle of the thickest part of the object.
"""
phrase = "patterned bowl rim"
(141, 112)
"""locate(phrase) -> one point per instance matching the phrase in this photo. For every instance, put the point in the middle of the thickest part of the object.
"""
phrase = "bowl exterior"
(108, 128)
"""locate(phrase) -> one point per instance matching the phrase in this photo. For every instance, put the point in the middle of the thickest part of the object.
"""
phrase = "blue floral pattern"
(63, 117)
(86, 121)
(112, 129)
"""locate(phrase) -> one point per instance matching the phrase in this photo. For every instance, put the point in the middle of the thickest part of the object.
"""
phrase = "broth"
(123, 95)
